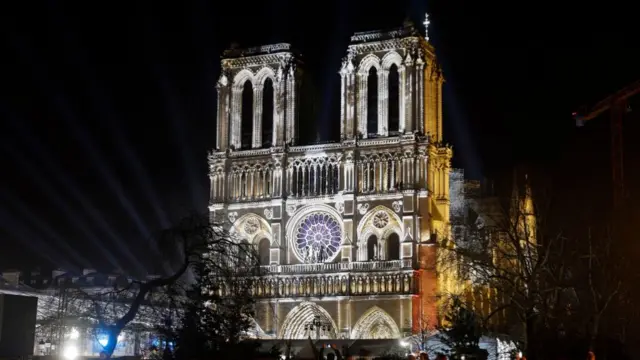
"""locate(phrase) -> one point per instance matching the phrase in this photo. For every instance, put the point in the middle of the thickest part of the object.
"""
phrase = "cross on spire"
(426, 26)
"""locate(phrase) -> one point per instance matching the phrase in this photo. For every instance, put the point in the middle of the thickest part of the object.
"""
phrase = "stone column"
(361, 116)
(419, 97)
(279, 109)
(236, 117)
(402, 99)
(256, 138)
(439, 83)
(290, 115)
(408, 95)
(383, 101)
(222, 136)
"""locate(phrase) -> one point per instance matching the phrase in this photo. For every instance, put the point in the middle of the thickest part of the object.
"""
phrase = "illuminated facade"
(345, 231)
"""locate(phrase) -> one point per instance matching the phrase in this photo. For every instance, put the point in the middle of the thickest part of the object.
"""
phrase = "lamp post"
(318, 325)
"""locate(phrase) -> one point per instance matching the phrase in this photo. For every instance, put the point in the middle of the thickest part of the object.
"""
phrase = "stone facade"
(345, 231)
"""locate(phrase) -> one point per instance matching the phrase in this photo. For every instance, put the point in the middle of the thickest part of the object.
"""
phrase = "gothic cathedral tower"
(346, 231)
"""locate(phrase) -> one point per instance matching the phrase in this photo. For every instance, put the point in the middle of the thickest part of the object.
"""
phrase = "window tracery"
(317, 238)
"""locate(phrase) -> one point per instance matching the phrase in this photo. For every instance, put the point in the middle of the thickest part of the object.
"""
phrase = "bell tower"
(258, 98)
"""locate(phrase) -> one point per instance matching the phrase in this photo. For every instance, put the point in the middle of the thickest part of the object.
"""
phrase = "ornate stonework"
(343, 221)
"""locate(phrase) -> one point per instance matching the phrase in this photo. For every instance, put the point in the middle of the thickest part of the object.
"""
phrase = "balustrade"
(333, 285)
(339, 267)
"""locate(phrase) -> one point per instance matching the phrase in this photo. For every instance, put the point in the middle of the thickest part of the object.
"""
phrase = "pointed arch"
(241, 77)
(263, 74)
(391, 58)
(293, 326)
(367, 62)
(381, 222)
(375, 323)
(252, 228)
(366, 223)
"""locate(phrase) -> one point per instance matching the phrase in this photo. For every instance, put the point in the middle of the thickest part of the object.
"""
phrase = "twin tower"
(391, 84)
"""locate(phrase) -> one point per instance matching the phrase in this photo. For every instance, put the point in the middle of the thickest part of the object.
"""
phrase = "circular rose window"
(317, 238)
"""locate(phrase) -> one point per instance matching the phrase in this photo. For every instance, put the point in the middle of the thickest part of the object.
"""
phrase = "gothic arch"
(375, 323)
(241, 77)
(263, 74)
(391, 58)
(252, 228)
(367, 62)
(370, 225)
(293, 326)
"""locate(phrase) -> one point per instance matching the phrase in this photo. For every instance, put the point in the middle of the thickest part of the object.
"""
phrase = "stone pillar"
(279, 102)
(383, 102)
(408, 95)
(361, 116)
(419, 96)
(256, 138)
(236, 117)
(222, 135)
(291, 111)
(439, 83)
(401, 96)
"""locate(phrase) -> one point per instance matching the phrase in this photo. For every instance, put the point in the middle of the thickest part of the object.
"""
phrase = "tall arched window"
(394, 99)
(267, 113)
(263, 251)
(393, 247)
(246, 126)
(372, 101)
(372, 248)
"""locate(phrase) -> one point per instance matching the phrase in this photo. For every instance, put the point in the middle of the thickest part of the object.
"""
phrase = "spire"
(426, 26)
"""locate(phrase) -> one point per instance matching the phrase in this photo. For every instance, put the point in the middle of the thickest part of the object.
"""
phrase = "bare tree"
(600, 270)
(157, 299)
(509, 252)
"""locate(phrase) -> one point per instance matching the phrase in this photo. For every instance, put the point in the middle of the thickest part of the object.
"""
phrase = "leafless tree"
(509, 252)
(156, 300)
(600, 269)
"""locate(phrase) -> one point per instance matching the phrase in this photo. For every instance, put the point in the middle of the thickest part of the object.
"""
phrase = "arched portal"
(375, 323)
(381, 222)
(296, 324)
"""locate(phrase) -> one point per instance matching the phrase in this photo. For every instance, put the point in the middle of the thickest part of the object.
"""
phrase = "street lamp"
(318, 325)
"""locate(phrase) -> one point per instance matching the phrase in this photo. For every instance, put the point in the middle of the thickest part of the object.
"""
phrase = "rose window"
(380, 219)
(317, 238)
(251, 226)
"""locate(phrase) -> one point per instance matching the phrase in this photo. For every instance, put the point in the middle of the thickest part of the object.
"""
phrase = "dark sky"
(107, 111)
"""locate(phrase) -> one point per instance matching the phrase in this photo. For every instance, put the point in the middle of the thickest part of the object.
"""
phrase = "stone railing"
(339, 267)
(355, 284)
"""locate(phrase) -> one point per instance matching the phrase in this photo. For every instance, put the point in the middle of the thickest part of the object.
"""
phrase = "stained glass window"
(317, 239)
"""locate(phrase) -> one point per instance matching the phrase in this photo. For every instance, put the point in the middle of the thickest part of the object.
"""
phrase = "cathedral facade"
(345, 231)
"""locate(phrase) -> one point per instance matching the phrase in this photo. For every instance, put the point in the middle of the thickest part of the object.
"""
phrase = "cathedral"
(345, 231)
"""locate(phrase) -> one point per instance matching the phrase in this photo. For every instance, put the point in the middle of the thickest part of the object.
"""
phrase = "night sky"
(108, 111)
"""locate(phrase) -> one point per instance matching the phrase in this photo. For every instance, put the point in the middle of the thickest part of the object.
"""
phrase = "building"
(345, 230)
(64, 320)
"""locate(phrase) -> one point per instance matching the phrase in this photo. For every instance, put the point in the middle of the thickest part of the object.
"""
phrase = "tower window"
(267, 113)
(393, 247)
(372, 101)
(246, 126)
(394, 99)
